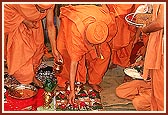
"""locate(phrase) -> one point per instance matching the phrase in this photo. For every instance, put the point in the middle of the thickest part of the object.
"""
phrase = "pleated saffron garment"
(25, 46)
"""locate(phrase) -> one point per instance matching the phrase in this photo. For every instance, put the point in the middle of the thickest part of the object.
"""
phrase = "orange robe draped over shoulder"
(73, 45)
(24, 46)
(154, 63)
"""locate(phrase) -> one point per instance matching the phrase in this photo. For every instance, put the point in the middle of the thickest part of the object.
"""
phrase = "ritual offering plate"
(22, 91)
(131, 20)
(138, 19)
(133, 73)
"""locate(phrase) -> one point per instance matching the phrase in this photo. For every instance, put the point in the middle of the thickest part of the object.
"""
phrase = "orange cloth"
(24, 46)
(45, 6)
(154, 63)
(73, 45)
(138, 91)
(121, 45)
(120, 9)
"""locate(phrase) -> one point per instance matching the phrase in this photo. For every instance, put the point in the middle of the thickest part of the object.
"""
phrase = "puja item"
(69, 107)
(58, 66)
(49, 85)
(83, 96)
(142, 15)
(97, 106)
(132, 72)
(139, 69)
(22, 91)
(45, 72)
(60, 95)
(143, 18)
(78, 87)
(84, 99)
(47, 99)
(61, 107)
(83, 106)
(60, 98)
(130, 19)
(9, 80)
(94, 96)
(73, 107)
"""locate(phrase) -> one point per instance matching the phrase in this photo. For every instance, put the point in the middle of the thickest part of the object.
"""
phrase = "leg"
(142, 103)
(130, 90)
(97, 67)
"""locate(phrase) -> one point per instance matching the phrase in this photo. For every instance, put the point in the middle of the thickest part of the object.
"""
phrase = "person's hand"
(57, 56)
(71, 97)
(141, 51)
(148, 79)
(30, 24)
(139, 63)
(137, 36)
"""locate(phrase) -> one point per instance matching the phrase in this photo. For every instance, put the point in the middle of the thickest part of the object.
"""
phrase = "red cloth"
(13, 104)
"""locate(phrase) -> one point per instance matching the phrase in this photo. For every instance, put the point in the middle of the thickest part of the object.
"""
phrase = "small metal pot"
(58, 66)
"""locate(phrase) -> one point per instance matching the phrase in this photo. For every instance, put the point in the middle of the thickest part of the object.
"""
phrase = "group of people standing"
(90, 37)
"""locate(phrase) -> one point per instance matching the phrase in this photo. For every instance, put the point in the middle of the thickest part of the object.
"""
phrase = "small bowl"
(58, 66)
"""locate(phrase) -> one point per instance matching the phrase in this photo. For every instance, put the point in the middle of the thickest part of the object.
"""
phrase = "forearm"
(52, 37)
(153, 27)
(156, 24)
(73, 69)
(51, 30)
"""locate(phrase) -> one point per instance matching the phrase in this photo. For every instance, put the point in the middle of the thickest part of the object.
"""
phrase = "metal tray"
(133, 73)
(22, 91)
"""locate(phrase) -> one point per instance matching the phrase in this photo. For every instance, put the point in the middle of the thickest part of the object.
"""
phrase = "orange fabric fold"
(73, 45)
(24, 46)
(138, 91)
(122, 43)
(154, 63)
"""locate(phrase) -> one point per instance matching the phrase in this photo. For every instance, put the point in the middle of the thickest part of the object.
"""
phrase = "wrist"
(72, 91)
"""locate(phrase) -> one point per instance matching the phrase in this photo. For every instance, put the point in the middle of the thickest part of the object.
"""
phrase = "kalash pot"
(58, 66)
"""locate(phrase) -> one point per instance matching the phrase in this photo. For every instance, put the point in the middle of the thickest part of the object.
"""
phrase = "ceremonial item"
(22, 91)
(132, 72)
(58, 66)
(141, 17)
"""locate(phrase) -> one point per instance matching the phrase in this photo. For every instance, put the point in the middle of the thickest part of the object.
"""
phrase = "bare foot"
(96, 87)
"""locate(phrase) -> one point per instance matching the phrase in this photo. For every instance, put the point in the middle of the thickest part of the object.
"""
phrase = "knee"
(119, 92)
(140, 104)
